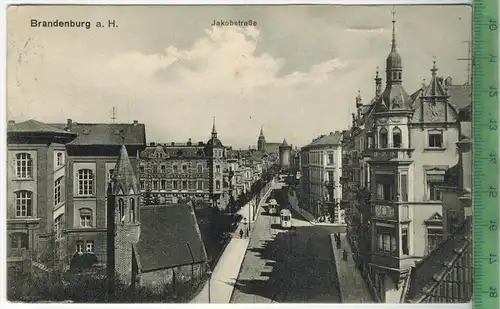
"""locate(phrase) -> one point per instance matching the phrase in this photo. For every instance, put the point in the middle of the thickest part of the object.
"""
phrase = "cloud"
(237, 74)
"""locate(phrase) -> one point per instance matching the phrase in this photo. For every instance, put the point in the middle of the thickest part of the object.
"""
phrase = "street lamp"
(209, 272)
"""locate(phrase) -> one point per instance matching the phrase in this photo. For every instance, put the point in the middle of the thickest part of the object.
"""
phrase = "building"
(445, 275)
(149, 246)
(321, 169)
(285, 154)
(406, 142)
(271, 149)
(91, 160)
(36, 191)
(174, 172)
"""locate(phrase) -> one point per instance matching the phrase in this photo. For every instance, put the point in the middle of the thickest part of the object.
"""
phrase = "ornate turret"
(214, 141)
(378, 84)
(435, 89)
(394, 96)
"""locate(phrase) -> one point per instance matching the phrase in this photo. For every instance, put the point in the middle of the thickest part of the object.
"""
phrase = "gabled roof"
(169, 237)
(34, 126)
(332, 139)
(435, 87)
(108, 134)
(124, 175)
(428, 274)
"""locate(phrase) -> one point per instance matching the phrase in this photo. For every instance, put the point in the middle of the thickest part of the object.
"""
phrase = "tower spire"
(214, 131)
(261, 130)
(393, 28)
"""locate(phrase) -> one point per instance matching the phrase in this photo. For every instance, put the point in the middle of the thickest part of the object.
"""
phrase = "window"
(200, 168)
(60, 158)
(19, 240)
(142, 184)
(132, 210)
(217, 168)
(155, 169)
(184, 185)
(121, 209)
(85, 217)
(57, 191)
(386, 240)
(184, 167)
(79, 247)
(155, 184)
(174, 185)
(163, 168)
(58, 227)
(217, 184)
(404, 187)
(383, 138)
(434, 237)
(174, 167)
(330, 158)
(110, 175)
(436, 139)
(141, 168)
(90, 246)
(199, 185)
(24, 203)
(434, 181)
(404, 241)
(24, 166)
(396, 138)
(85, 182)
(384, 192)
(163, 184)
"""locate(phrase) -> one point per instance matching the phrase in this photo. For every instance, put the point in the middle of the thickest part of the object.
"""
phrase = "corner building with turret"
(402, 146)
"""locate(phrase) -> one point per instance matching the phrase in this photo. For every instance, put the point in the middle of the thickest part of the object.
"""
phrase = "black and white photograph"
(220, 154)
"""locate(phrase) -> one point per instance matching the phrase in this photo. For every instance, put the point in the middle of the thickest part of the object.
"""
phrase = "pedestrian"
(241, 233)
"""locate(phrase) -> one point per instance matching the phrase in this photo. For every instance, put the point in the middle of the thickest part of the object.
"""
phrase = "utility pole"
(469, 60)
(113, 114)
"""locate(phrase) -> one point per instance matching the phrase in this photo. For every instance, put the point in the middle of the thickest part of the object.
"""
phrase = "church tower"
(123, 222)
(261, 142)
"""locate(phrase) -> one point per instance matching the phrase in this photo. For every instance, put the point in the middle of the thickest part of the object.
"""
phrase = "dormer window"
(87, 131)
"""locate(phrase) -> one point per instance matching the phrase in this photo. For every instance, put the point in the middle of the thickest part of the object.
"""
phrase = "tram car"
(285, 219)
(273, 207)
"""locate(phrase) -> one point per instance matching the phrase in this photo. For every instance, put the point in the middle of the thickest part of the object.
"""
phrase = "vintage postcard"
(239, 154)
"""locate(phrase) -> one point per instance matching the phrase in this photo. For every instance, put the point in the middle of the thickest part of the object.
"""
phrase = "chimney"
(69, 124)
(331, 133)
(11, 122)
(189, 143)
(136, 122)
(200, 143)
(172, 144)
(151, 143)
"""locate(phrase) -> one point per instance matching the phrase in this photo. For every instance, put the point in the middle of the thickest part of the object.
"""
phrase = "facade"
(149, 246)
(401, 147)
(445, 275)
(174, 172)
(36, 195)
(321, 169)
(285, 154)
(90, 164)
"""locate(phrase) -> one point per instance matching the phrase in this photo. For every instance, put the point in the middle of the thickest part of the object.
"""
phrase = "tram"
(285, 219)
(273, 207)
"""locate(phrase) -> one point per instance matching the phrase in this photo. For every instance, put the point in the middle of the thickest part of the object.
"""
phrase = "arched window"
(58, 227)
(85, 182)
(86, 217)
(132, 210)
(24, 203)
(396, 138)
(121, 209)
(383, 138)
(24, 165)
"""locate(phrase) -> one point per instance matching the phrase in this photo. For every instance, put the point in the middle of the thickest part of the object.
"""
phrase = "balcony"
(389, 261)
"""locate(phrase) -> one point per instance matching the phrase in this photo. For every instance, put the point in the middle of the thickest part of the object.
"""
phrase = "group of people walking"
(336, 236)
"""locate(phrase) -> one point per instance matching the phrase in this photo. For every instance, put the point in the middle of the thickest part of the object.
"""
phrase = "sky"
(296, 73)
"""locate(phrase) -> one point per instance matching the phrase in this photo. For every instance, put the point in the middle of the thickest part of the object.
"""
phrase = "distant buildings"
(400, 148)
(320, 176)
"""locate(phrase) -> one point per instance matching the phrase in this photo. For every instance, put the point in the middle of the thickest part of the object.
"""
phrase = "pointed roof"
(124, 175)
(261, 131)
(284, 144)
(214, 131)
(435, 87)
(394, 59)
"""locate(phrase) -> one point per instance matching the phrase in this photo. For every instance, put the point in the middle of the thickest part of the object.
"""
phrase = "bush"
(83, 261)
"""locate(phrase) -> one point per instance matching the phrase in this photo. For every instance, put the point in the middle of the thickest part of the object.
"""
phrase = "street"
(283, 267)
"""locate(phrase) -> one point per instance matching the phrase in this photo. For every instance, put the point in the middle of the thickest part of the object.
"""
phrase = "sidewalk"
(308, 216)
(228, 267)
(353, 288)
